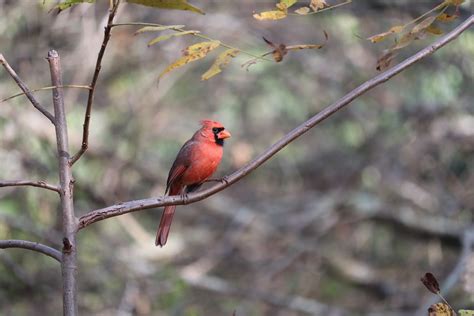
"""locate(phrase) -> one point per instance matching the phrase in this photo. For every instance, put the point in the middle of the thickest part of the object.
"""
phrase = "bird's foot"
(224, 179)
(184, 197)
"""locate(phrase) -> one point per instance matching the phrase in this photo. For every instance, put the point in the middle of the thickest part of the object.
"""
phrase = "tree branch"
(137, 205)
(25, 89)
(38, 184)
(30, 245)
(90, 99)
(66, 182)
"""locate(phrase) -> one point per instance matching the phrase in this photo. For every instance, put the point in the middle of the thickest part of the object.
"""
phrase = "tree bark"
(66, 184)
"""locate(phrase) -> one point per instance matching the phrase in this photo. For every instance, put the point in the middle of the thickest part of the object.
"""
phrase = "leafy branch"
(418, 31)
(138, 205)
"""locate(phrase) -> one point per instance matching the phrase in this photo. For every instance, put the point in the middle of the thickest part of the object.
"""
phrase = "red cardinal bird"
(195, 163)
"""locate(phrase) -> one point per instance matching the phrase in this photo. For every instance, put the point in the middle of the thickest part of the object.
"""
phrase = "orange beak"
(223, 134)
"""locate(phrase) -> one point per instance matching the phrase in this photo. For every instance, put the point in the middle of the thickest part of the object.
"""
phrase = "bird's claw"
(184, 197)
(225, 180)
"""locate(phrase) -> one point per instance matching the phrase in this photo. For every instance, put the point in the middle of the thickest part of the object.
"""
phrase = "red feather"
(195, 163)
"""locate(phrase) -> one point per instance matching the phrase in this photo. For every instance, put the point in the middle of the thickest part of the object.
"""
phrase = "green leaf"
(168, 36)
(192, 53)
(288, 3)
(221, 61)
(169, 4)
(69, 3)
(466, 312)
(158, 28)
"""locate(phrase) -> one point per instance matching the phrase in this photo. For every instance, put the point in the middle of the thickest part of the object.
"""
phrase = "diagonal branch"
(136, 205)
(25, 89)
(90, 99)
(38, 184)
(30, 245)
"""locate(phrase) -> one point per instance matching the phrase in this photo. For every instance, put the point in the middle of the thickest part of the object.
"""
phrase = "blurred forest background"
(344, 221)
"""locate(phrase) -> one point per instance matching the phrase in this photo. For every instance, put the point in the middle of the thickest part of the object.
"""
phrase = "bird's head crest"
(210, 123)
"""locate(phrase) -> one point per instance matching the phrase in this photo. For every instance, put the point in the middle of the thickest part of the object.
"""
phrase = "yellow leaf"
(444, 17)
(423, 25)
(168, 4)
(318, 5)
(158, 28)
(405, 40)
(396, 29)
(434, 30)
(221, 61)
(191, 53)
(302, 11)
(466, 312)
(380, 37)
(283, 5)
(288, 3)
(440, 309)
(168, 36)
(270, 15)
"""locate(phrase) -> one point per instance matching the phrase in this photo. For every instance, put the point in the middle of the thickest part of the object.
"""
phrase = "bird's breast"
(205, 160)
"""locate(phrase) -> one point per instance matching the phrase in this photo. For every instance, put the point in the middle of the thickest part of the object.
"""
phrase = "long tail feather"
(166, 219)
(164, 227)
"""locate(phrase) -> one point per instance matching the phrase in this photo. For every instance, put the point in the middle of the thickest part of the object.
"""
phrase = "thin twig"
(90, 99)
(25, 89)
(136, 205)
(30, 245)
(46, 88)
(38, 184)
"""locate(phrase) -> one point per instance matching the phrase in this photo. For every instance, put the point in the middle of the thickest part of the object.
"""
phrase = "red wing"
(175, 173)
(181, 163)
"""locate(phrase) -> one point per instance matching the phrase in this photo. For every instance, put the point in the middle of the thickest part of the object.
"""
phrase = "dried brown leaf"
(444, 17)
(430, 282)
(318, 5)
(385, 60)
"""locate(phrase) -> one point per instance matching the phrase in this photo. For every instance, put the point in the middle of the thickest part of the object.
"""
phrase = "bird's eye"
(216, 130)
